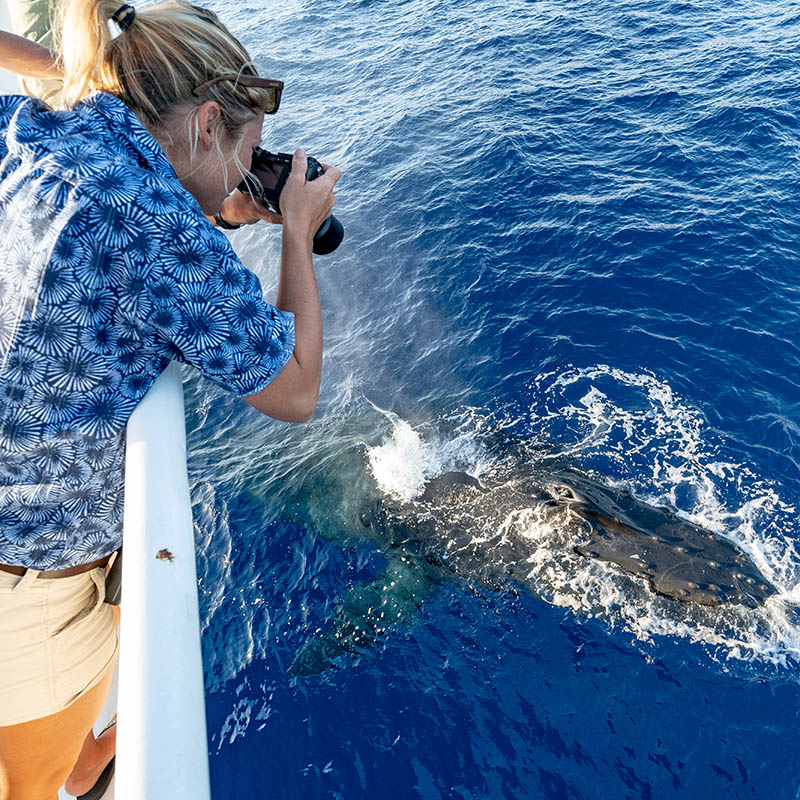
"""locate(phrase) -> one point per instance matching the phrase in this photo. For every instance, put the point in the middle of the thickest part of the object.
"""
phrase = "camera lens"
(328, 237)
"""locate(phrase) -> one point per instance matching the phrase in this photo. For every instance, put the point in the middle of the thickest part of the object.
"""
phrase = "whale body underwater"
(486, 532)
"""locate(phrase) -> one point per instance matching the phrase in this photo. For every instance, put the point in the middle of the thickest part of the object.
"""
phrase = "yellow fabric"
(57, 640)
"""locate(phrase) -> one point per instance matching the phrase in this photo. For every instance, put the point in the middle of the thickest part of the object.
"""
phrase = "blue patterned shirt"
(108, 270)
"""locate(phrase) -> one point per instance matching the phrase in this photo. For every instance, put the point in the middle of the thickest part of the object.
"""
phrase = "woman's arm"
(292, 396)
(23, 57)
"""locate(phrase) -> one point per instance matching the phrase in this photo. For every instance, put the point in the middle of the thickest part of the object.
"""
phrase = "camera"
(268, 174)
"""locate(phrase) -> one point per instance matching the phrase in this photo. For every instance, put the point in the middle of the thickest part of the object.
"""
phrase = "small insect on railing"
(162, 752)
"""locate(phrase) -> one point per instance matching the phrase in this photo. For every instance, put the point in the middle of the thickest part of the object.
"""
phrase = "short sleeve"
(210, 311)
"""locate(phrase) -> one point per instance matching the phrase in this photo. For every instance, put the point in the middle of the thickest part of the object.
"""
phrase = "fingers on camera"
(332, 173)
(299, 166)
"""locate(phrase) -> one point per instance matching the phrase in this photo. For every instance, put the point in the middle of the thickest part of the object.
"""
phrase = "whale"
(481, 532)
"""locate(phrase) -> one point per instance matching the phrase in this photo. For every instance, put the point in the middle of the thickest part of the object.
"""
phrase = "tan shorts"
(57, 640)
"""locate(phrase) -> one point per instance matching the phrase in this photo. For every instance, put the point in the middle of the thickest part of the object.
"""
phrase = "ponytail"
(84, 39)
(160, 56)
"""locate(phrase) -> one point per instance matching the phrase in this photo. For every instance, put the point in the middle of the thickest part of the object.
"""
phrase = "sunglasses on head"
(251, 81)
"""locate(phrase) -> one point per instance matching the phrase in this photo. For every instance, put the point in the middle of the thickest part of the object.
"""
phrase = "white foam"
(408, 459)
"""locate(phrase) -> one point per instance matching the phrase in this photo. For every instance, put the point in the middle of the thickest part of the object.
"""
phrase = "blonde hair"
(154, 65)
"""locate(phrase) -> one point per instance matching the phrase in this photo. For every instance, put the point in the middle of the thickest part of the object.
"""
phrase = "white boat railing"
(162, 751)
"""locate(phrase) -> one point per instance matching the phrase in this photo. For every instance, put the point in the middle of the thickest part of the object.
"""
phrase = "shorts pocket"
(84, 610)
(85, 646)
(8, 582)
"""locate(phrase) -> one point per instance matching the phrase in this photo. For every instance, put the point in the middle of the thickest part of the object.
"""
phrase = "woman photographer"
(109, 268)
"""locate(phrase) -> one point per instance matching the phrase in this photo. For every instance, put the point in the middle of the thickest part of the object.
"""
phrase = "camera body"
(268, 174)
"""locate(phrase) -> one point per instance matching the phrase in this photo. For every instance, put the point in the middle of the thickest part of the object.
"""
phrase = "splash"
(402, 465)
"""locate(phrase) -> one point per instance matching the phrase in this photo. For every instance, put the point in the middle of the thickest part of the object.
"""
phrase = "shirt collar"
(125, 124)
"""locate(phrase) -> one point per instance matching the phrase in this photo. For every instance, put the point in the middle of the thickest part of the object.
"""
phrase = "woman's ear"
(208, 118)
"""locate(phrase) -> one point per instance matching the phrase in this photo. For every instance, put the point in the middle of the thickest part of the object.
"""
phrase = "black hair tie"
(124, 16)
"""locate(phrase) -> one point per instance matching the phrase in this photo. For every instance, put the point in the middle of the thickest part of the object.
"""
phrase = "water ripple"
(531, 189)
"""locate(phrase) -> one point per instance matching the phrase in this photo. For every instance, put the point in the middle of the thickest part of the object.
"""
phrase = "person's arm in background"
(26, 58)
(305, 205)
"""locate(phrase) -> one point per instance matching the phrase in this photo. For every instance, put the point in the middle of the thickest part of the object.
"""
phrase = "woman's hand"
(305, 205)
(239, 208)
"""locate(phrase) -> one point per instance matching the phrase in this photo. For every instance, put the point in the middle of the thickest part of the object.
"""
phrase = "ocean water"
(571, 226)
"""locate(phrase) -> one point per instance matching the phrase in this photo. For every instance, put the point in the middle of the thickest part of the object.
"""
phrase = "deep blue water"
(576, 223)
